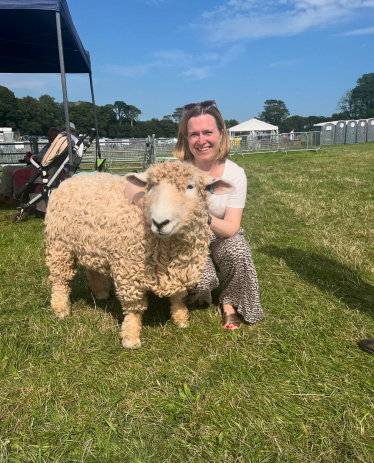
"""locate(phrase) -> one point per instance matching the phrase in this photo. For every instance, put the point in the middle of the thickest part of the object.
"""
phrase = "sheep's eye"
(190, 186)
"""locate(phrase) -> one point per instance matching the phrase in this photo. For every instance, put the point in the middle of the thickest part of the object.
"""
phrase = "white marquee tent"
(251, 127)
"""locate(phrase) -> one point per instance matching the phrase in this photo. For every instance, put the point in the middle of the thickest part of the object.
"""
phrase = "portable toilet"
(361, 131)
(328, 133)
(370, 130)
(339, 133)
(351, 132)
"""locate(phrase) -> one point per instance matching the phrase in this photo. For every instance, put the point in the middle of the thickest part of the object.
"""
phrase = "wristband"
(209, 219)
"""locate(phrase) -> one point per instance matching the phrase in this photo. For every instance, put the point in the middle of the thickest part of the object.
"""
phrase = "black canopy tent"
(38, 36)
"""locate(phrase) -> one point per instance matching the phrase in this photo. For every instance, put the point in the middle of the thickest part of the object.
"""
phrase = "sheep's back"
(90, 216)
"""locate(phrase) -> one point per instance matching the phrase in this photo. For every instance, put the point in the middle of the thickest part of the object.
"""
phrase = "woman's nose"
(201, 139)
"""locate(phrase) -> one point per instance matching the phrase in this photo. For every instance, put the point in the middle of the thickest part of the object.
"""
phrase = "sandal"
(229, 319)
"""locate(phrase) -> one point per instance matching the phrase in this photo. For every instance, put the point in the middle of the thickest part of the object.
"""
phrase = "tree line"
(357, 103)
(34, 116)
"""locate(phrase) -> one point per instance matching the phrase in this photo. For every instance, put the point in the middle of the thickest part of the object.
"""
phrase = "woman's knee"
(230, 249)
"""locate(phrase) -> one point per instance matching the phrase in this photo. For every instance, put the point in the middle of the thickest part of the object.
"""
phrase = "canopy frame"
(14, 59)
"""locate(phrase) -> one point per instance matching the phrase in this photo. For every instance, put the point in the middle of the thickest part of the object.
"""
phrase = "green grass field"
(293, 388)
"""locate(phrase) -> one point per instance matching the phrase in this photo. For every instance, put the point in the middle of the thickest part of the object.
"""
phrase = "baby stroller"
(35, 192)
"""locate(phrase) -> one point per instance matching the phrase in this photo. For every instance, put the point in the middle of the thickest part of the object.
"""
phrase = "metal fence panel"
(299, 141)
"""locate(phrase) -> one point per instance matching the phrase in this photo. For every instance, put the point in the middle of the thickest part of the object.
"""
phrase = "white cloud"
(197, 73)
(20, 81)
(283, 63)
(238, 20)
(364, 31)
(196, 67)
(135, 70)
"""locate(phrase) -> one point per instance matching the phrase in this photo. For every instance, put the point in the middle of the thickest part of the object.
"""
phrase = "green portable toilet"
(351, 132)
(328, 132)
(370, 130)
(339, 133)
(361, 131)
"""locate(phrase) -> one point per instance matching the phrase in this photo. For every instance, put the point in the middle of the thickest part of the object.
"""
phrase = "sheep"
(163, 248)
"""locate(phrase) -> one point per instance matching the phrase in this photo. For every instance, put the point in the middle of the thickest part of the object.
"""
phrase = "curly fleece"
(89, 220)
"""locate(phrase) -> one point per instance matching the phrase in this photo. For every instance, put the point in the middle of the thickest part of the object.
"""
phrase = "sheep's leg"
(178, 309)
(62, 267)
(100, 284)
(132, 324)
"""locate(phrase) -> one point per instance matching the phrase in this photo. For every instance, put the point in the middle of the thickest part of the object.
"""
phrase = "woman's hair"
(182, 150)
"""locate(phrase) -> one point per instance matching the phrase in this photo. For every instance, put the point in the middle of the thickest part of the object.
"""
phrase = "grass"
(293, 388)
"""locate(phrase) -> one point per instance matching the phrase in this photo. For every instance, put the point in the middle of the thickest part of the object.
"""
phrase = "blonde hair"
(182, 150)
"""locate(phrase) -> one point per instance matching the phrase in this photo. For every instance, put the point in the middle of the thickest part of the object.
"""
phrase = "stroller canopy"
(28, 38)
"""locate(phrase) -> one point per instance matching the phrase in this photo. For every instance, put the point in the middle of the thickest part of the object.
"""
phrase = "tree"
(298, 123)
(51, 113)
(106, 120)
(8, 110)
(359, 102)
(28, 116)
(344, 105)
(275, 112)
(311, 120)
(362, 97)
(177, 115)
(231, 123)
(132, 113)
(81, 113)
(120, 108)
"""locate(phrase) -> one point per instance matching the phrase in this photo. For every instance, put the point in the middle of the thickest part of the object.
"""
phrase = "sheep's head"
(176, 196)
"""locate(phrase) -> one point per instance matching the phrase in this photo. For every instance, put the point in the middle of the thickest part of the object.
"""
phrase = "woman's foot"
(6, 199)
(230, 318)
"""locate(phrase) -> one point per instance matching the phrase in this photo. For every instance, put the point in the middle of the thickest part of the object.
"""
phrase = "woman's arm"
(135, 194)
(229, 225)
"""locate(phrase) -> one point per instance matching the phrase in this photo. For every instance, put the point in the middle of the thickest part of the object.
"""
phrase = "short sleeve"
(237, 198)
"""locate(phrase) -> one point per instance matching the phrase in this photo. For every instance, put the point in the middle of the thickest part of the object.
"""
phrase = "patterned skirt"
(232, 258)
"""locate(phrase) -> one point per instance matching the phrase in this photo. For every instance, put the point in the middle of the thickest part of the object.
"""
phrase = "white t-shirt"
(236, 199)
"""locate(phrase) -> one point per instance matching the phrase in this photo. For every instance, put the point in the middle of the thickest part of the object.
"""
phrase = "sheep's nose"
(161, 224)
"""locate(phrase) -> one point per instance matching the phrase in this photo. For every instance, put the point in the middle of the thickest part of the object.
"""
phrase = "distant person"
(292, 136)
(9, 186)
(74, 137)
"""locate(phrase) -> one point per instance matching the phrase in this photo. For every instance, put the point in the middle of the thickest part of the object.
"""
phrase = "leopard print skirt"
(232, 258)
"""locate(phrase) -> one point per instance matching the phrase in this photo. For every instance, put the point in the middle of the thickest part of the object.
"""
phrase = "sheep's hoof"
(182, 324)
(131, 343)
(62, 314)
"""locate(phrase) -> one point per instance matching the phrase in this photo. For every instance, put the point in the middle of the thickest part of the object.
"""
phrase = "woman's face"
(203, 138)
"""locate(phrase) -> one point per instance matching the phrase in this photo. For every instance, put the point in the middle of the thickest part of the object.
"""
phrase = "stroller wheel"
(20, 216)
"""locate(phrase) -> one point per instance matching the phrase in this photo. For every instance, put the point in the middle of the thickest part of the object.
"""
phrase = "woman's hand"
(229, 225)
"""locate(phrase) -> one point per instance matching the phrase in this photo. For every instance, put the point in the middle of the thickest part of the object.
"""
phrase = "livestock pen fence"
(124, 156)
(121, 156)
(298, 141)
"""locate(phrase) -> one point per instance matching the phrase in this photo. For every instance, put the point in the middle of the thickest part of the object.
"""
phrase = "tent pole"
(97, 153)
(64, 93)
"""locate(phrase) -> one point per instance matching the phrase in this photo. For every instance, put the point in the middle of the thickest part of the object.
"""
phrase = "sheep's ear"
(219, 186)
(137, 179)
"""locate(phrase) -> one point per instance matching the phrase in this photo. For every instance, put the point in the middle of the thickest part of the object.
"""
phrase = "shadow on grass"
(158, 312)
(328, 275)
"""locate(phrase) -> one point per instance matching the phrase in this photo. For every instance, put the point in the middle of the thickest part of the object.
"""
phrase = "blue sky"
(161, 54)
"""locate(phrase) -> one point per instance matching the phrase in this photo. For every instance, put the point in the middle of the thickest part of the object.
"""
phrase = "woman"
(203, 141)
